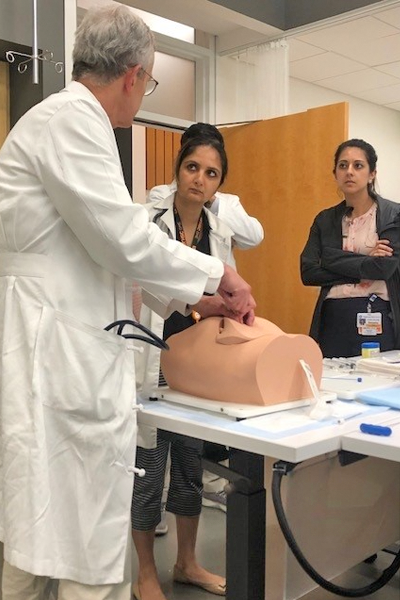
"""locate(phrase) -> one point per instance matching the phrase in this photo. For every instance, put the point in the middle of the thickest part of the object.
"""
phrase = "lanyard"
(196, 238)
(197, 233)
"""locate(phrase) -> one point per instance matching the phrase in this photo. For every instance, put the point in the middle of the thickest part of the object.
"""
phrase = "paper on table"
(347, 410)
(387, 362)
(299, 419)
(350, 386)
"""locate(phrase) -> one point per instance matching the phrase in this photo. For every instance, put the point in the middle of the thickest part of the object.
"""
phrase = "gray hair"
(109, 41)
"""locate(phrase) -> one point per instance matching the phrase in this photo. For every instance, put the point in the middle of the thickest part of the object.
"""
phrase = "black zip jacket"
(324, 263)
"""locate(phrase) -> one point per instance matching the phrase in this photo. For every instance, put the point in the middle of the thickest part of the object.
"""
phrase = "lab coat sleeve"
(313, 272)
(78, 163)
(248, 231)
(163, 305)
(159, 192)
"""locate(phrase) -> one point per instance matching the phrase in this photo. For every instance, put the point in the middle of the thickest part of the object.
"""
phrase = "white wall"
(375, 124)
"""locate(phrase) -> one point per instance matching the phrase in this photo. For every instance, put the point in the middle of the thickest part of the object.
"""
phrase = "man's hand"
(236, 293)
(213, 306)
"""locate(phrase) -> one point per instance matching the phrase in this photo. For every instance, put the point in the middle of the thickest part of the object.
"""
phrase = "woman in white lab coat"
(70, 243)
(200, 169)
(247, 231)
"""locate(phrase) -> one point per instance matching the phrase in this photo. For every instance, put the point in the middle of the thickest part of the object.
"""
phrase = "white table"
(387, 448)
(331, 492)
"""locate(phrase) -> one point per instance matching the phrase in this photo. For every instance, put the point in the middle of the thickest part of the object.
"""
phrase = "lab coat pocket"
(84, 380)
(81, 370)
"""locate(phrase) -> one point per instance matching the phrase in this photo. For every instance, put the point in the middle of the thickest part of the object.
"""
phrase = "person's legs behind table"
(184, 500)
(214, 495)
(162, 527)
(146, 514)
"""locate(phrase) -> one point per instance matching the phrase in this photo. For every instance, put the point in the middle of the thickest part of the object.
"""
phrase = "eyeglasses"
(150, 85)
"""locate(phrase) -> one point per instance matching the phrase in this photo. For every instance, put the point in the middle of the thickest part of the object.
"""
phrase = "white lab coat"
(247, 231)
(71, 241)
(148, 362)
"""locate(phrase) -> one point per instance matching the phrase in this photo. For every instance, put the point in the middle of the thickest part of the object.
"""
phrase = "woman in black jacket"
(353, 253)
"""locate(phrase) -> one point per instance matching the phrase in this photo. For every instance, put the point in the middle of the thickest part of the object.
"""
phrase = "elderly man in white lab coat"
(71, 241)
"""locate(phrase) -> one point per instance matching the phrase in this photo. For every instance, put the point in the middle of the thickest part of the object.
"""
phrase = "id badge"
(369, 323)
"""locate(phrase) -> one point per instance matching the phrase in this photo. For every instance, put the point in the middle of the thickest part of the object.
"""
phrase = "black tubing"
(309, 569)
(152, 338)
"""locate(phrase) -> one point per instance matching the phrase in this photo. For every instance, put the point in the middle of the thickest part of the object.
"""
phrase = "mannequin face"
(199, 175)
(352, 171)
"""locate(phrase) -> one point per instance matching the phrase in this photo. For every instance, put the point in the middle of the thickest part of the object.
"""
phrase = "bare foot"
(198, 575)
(149, 589)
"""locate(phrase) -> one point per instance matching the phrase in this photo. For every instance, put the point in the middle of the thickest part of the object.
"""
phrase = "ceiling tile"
(373, 52)
(317, 67)
(390, 68)
(367, 79)
(382, 95)
(299, 50)
(394, 106)
(391, 16)
(332, 38)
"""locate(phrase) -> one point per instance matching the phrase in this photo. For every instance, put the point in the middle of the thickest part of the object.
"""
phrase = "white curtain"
(253, 83)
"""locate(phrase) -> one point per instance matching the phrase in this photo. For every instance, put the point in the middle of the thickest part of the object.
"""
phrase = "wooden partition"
(4, 102)
(161, 150)
(282, 170)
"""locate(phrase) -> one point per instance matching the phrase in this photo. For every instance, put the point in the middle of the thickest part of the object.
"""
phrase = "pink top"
(359, 235)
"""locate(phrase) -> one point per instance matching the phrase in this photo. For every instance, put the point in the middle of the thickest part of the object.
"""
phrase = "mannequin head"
(220, 359)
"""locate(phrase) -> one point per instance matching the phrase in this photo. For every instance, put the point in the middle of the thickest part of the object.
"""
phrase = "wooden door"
(4, 102)
(282, 170)
(162, 148)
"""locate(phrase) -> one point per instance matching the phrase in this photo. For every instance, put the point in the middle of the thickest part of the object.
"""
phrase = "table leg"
(245, 543)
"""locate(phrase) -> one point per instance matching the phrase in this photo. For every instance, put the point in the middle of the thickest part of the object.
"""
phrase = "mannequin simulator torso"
(221, 359)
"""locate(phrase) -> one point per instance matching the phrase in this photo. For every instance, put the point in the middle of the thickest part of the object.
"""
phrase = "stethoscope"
(151, 338)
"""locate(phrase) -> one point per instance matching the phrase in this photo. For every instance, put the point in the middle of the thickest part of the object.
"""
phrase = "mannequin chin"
(220, 359)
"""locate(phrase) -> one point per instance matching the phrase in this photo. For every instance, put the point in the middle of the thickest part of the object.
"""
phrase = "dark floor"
(211, 554)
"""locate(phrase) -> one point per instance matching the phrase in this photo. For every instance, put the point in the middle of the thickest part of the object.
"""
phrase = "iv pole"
(46, 56)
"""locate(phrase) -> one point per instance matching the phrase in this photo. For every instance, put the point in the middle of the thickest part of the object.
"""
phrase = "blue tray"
(384, 397)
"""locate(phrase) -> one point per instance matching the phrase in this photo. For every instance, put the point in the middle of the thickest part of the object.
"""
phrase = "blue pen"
(375, 429)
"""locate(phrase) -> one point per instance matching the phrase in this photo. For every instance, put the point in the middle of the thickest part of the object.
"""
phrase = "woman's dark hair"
(190, 146)
(201, 130)
(370, 155)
